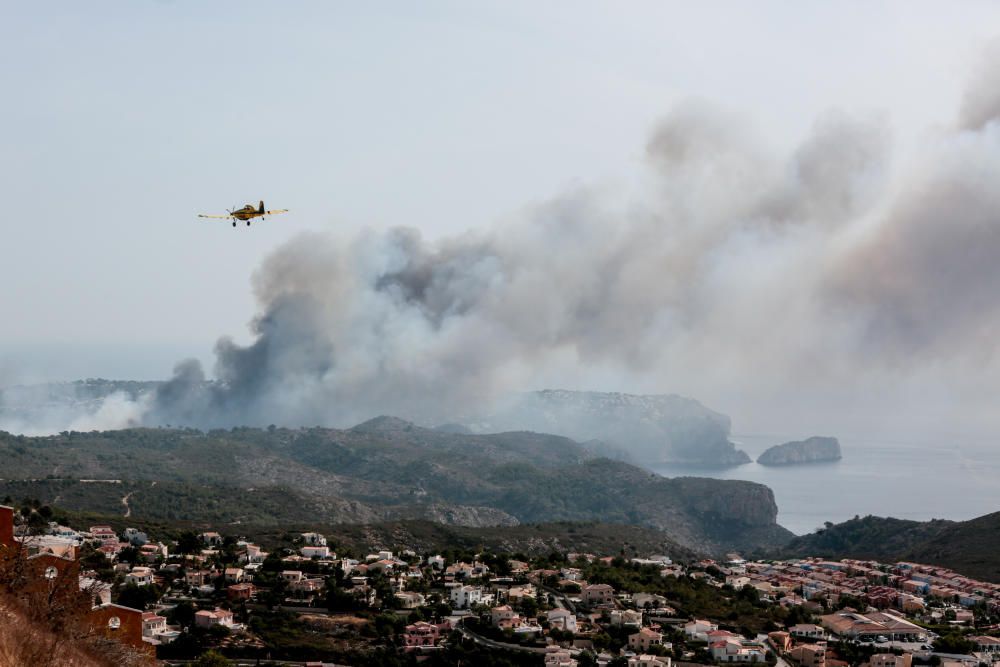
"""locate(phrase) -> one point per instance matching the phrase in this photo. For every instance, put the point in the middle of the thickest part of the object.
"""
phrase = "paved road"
(483, 641)
(561, 600)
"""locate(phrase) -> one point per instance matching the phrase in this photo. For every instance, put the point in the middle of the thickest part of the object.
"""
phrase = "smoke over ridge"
(733, 267)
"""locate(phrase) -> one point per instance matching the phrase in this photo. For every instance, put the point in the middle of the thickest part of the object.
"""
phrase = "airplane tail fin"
(261, 206)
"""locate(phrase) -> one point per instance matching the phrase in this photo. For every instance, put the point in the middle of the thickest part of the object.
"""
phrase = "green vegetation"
(953, 642)
(968, 547)
(385, 469)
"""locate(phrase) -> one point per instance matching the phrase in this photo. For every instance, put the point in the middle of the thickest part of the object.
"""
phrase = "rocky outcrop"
(648, 429)
(812, 450)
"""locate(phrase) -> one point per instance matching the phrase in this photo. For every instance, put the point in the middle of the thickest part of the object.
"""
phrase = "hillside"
(423, 536)
(969, 547)
(385, 469)
(647, 429)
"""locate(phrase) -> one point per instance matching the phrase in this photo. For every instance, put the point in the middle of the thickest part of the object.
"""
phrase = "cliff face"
(647, 429)
(811, 450)
(746, 503)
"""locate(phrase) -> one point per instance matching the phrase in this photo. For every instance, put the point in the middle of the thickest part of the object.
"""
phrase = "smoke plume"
(741, 276)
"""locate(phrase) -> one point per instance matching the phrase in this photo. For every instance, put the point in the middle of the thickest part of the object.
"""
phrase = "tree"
(529, 607)
(953, 642)
(137, 597)
(749, 594)
(338, 599)
(183, 614)
(129, 555)
(189, 542)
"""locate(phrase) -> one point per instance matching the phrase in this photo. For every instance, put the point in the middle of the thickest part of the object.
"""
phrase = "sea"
(905, 480)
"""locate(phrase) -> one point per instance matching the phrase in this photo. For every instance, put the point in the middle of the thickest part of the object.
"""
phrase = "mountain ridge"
(387, 470)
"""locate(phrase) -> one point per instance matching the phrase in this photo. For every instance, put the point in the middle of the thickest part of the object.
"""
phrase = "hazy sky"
(123, 120)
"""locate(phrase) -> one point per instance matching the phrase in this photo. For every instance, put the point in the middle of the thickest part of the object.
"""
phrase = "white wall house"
(463, 597)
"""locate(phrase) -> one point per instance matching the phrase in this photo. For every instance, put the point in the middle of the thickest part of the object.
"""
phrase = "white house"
(252, 554)
(622, 617)
(648, 661)
(698, 629)
(314, 539)
(211, 538)
(135, 537)
(140, 576)
(737, 649)
(153, 624)
(559, 657)
(235, 575)
(465, 596)
(436, 562)
(206, 618)
(563, 619)
(315, 552)
(807, 630)
(410, 599)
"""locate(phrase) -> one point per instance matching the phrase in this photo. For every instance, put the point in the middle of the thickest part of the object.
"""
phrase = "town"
(305, 600)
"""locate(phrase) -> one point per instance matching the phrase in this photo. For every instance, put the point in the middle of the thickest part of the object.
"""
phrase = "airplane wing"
(218, 217)
(277, 210)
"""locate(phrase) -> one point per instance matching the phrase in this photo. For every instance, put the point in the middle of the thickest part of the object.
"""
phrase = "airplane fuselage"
(247, 212)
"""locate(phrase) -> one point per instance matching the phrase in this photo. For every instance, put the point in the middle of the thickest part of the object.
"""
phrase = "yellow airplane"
(247, 213)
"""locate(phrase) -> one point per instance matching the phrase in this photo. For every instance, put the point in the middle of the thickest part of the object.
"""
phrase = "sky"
(124, 120)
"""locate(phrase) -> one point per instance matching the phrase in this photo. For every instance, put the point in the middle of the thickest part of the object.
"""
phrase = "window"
(51, 572)
(114, 623)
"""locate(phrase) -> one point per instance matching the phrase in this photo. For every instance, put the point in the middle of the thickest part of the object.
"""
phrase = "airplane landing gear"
(248, 223)
(234, 223)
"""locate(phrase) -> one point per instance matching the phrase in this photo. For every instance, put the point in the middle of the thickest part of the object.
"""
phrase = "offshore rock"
(812, 450)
